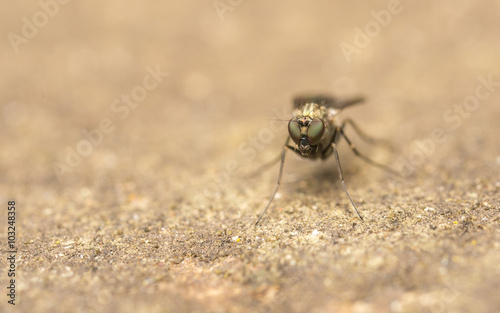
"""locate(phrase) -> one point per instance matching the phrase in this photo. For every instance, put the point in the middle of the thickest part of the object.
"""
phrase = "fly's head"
(306, 132)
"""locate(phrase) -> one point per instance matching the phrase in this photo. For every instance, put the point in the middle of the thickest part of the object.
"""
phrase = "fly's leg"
(269, 164)
(364, 158)
(341, 177)
(285, 148)
(367, 138)
(264, 167)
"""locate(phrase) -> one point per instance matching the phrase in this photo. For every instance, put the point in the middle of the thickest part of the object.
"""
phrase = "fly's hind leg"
(341, 132)
(371, 140)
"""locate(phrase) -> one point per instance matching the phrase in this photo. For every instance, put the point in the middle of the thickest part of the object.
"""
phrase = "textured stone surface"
(158, 217)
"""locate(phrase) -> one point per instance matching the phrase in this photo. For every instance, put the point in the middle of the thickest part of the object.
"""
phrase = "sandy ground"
(182, 102)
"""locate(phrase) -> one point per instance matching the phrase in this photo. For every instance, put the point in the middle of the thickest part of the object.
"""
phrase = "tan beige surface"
(156, 214)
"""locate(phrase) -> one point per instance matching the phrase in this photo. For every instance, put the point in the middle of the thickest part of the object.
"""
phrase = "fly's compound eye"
(315, 131)
(294, 130)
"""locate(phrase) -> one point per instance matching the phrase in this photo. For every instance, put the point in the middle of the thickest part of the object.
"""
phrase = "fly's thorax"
(311, 110)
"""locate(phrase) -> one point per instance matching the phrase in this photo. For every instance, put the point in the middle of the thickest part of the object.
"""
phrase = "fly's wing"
(326, 101)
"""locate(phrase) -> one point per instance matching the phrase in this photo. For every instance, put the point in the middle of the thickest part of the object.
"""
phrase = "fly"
(315, 133)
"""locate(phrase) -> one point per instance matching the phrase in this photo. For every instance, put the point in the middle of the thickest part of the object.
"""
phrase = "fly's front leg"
(269, 164)
(283, 154)
(341, 177)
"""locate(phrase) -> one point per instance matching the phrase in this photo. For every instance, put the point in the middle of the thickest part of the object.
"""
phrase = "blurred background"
(181, 99)
(229, 65)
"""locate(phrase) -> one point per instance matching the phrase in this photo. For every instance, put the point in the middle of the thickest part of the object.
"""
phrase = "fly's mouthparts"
(304, 143)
